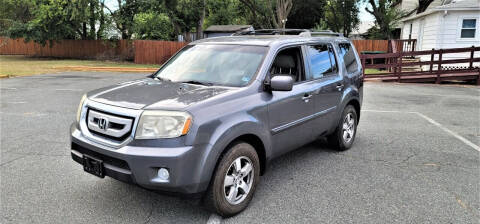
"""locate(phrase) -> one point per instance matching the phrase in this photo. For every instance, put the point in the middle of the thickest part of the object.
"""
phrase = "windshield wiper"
(198, 83)
(163, 79)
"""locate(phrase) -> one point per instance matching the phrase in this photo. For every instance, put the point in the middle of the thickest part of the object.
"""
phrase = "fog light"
(163, 174)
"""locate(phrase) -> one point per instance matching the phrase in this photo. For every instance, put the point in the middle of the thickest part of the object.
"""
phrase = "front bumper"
(139, 164)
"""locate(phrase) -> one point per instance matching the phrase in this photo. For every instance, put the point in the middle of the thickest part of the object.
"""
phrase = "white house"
(445, 24)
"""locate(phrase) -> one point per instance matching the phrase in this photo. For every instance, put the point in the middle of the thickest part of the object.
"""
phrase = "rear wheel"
(344, 135)
(234, 181)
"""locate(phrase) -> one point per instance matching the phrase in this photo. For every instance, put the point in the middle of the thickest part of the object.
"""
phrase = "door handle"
(339, 87)
(307, 97)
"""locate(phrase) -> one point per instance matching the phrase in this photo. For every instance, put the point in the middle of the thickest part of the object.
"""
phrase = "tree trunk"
(92, 20)
(423, 5)
(84, 31)
(283, 8)
(200, 21)
(187, 37)
(101, 26)
(125, 35)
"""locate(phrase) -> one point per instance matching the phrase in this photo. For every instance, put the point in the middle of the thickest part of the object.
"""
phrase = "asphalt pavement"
(415, 160)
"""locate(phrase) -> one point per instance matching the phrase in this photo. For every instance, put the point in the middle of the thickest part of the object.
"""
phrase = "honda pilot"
(211, 119)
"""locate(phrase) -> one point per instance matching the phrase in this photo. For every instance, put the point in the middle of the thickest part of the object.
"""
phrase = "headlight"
(79, 111)
(163, 124)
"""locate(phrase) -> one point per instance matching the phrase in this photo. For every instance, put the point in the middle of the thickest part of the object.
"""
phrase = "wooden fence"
(462, 69)
(140, 51)
(82, 49)
(154, 51)
(371, 45)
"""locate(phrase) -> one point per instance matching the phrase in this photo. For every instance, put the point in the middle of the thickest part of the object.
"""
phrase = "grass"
(371, 71)
(15, 65)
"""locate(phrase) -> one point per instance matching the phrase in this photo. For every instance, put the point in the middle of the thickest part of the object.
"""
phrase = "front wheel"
(344, 135)
(234, 180)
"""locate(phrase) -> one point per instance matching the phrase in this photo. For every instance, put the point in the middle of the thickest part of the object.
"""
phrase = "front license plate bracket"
(93, 166)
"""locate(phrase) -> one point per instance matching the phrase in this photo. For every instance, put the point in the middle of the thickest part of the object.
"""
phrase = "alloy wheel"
(238, 180)
(348, 128)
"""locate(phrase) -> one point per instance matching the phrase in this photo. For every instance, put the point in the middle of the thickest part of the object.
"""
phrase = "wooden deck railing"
(436, 71)
(401, 45)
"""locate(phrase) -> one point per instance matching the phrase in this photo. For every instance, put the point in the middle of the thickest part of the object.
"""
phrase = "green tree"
(153, 26)
(187, 16)
(15, 12)
(123, 17)
(306, 13)
(258, 13)
(341, 16)
(51, 20)
(268, 13)
(387, 17)
(224, 12)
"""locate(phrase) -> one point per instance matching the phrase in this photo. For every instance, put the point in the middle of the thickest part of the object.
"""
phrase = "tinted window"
(348, 55)
(322, 60)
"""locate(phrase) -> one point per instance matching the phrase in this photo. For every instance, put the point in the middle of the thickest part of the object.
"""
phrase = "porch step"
(406, 60)
(412, 68)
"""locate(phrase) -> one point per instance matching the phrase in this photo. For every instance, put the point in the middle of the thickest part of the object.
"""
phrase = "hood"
(155, 94)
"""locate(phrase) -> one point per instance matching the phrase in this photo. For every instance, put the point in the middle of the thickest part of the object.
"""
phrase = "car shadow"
(160, 207)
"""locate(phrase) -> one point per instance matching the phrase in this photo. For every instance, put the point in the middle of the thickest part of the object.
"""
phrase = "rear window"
(348, 55)
(322, 60)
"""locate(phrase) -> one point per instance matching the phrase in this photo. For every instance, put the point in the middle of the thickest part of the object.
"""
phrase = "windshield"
(228, 65)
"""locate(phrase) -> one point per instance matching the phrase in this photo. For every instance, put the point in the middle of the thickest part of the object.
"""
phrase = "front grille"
(106, 159)
(109, 126)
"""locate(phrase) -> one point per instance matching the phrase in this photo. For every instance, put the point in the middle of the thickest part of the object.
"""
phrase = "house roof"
(226, 28)
(460, 5)
(363, 27)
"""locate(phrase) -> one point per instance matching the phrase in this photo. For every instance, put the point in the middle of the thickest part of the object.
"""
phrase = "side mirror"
(281, 83)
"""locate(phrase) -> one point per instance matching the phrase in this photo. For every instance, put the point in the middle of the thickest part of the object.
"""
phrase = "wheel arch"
(249, 132)
(257, 144)
(356, 104)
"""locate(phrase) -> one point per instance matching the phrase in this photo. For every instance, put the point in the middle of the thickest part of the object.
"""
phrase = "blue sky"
(364, 15)
(112, 4)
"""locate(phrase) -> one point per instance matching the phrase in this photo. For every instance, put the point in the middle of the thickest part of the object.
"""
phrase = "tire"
(337, 139)
(220, 196)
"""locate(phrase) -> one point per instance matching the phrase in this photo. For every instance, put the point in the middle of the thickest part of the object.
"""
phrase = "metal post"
(472, 52)
(478, 77)
(363, 66)
(432, 57)
(400, 66)
(439, 70)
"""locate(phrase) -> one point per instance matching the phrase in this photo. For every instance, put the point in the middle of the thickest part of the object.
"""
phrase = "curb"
(109, 69)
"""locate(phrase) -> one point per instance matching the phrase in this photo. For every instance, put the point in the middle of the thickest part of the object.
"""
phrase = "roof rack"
(325, 33)
(299, 32)
(271, 32)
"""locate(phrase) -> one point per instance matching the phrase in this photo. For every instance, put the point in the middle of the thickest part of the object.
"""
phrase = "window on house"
(468, 28)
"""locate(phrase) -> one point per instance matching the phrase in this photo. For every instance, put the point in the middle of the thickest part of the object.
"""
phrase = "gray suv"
(210, 120)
